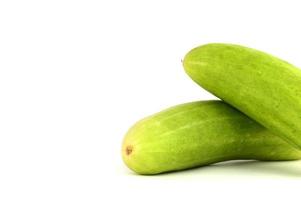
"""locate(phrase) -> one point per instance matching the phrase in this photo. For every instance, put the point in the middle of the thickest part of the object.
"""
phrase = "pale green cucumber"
(263, 87)
(197, 134)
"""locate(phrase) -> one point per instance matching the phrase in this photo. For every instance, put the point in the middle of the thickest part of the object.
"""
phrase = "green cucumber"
(196, 134)
(262, 86)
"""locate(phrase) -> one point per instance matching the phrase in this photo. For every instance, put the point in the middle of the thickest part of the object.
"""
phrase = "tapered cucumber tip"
(127, 154)
(194, 53)
(128, 150)
(131, 159)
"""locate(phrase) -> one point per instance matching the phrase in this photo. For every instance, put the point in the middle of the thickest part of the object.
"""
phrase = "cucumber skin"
(197, 134)
(262, 86)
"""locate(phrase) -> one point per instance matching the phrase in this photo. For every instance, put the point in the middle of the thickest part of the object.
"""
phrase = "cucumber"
(196, 134)
(262, 86)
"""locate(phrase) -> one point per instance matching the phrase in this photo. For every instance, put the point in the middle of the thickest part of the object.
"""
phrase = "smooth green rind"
(197, 134)
(262, 86)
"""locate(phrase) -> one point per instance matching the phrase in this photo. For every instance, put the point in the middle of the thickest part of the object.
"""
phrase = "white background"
(75, 75)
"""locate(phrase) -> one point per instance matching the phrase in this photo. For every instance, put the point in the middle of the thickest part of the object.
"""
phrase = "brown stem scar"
(128, 150)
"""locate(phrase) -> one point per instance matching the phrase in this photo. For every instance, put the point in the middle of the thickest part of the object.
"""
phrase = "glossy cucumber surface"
(261, 86)
(197, 134)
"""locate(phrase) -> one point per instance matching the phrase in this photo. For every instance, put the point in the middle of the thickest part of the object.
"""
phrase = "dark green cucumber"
(197, 134)
(263, 87)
